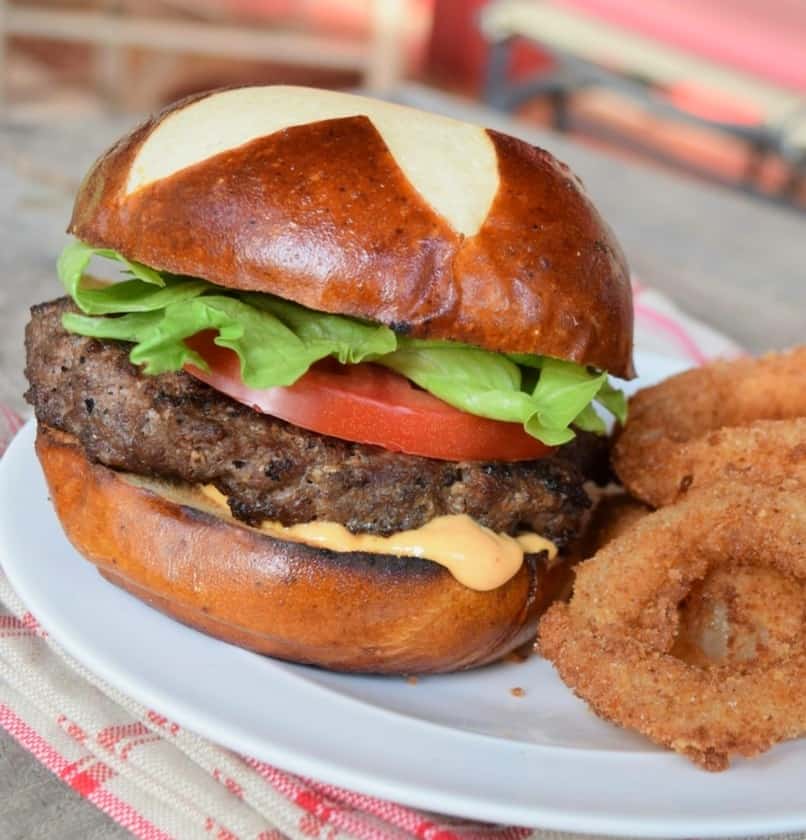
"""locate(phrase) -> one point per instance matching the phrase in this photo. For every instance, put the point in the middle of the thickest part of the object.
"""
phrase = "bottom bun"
(166, 544)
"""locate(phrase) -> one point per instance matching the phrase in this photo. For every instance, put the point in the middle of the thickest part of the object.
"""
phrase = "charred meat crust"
(174, 427)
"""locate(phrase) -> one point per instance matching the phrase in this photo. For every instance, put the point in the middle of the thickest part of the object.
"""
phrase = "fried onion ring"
(727, 420)
(614, 643)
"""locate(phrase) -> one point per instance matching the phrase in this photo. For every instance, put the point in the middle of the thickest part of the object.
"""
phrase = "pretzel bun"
(434, 227)
(168, 546)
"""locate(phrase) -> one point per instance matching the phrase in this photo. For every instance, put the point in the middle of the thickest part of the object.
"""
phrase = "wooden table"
(731, 261)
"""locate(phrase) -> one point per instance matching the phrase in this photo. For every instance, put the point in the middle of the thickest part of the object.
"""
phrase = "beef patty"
(175, 427)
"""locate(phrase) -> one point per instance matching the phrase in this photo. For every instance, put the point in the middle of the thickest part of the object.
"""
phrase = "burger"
(340, 396)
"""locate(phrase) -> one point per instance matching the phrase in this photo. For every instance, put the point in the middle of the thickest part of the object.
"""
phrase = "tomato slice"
(367, 403)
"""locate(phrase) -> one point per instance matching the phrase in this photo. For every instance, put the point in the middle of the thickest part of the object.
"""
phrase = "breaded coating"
(616, 644)
(743, 419)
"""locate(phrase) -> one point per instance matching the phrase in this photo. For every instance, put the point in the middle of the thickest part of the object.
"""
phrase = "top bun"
(437, 228)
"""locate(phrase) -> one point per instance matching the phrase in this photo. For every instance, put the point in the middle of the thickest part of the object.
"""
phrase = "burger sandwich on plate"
(340, 404)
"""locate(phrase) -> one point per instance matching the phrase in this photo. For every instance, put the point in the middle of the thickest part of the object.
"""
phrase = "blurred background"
(712, 89)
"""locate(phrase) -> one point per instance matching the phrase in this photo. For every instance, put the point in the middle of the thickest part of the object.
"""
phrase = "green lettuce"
(147, 290)
(277, 341)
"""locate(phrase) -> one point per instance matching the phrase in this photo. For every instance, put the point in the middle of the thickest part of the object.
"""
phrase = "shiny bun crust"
(437, 228)
(350, 612)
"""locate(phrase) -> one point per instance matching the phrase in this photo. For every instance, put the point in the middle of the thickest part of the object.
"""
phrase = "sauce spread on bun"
(476, 556)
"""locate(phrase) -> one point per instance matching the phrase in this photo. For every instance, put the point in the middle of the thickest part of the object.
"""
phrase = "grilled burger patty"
(175, 427)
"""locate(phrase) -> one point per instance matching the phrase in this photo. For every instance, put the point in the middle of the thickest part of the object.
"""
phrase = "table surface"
(730, 260)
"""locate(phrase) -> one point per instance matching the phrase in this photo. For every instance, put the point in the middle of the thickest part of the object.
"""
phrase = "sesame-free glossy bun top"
(438, 228)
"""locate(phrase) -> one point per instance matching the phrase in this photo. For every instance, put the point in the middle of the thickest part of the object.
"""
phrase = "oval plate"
(459, 744)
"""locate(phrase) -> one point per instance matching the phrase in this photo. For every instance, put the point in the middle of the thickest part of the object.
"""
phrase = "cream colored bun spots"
(450, 163)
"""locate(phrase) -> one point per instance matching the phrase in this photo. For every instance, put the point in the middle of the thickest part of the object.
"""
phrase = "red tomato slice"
(367, 403)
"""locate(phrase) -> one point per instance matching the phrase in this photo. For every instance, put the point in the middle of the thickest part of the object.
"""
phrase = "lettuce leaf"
(589, 420)
(614, 401)
(468, 378)
(351, 341)
(148, 290)
(563, 391)
(492, 385)
(277, 341)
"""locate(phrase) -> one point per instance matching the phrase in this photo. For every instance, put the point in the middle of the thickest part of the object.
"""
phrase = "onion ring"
(614, 642)
(725, 420)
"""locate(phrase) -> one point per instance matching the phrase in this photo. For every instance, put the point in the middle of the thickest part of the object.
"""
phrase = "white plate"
(461, 744)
